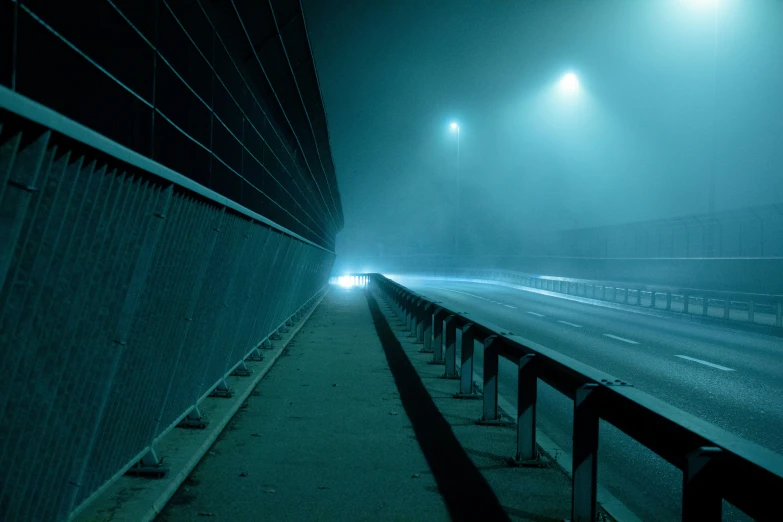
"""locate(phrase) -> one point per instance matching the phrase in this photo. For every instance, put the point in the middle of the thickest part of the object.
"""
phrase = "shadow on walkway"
(464, 490)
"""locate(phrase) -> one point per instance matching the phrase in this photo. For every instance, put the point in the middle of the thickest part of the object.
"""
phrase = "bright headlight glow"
(345, 281)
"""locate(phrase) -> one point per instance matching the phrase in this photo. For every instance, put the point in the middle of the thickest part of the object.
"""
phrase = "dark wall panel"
(157, 75)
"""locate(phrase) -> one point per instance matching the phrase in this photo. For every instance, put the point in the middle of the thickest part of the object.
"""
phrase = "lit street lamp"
(569, 83)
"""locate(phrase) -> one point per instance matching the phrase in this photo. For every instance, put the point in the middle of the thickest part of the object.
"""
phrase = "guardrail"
(128, 295)
(761, 309)
(716, 465)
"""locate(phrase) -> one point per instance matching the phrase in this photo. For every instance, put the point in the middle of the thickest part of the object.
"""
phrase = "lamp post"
(455, 128)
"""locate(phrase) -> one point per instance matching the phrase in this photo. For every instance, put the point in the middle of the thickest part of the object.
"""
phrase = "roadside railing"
(128, 295)
(715, 464)
(759, 309)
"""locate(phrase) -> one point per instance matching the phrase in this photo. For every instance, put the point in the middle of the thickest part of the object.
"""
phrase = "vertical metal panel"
(35, 303)
(183, 362)
(213, 369)
(277, 273)
(48, 342)
(22, 174)
(130, 301)
(133, 262)
(260, 239)
(135, 393)
(255, 334)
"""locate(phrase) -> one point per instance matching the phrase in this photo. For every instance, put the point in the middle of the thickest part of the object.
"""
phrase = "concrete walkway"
(352, 423)
(324, 436)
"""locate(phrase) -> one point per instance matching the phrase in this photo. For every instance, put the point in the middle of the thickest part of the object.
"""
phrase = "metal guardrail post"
(407, 306)
(418, 321)
(701, 500)
(466, 361)
(751, 312)
(527, 393)
(427, 328)
(491, 360)
(686, 303)
(585, 456)
(705, 305)
(668, 301)
(652, 299)
(779, 314)
(437, 337)
(631, 411)
(451, 348)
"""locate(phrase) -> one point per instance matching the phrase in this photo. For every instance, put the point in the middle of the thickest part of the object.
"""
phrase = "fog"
(671, 93)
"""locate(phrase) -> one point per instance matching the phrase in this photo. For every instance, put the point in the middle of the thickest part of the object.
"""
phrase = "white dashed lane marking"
(623, 339)
(705, 363)
(570, 324)
(536, 314)
(509, 306)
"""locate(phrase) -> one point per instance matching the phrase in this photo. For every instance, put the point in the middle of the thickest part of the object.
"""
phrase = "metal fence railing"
(127, 295)
(748, 308)
(743, 232)
(715, 464)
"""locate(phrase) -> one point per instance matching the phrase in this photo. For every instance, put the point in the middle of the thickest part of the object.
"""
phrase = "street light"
(455, 128)
(569, 83)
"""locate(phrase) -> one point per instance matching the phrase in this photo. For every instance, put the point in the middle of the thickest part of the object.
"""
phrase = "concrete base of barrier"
(135, 499)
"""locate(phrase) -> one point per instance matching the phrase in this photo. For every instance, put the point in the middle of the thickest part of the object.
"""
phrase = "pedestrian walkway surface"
(352, 423)
(323, 437)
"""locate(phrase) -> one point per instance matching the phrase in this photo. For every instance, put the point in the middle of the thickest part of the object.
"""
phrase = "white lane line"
(536, 314)
(623, 339)
(570, 324)
(705, 363)
(509, 306)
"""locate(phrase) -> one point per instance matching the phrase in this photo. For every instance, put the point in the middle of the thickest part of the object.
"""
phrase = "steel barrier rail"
(657, 297)
(126, 298)
(716, 465)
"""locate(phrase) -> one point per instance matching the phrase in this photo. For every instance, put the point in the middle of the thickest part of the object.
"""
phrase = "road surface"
(731, 378)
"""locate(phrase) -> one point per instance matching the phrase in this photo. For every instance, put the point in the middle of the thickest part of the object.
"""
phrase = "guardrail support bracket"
(194, 420)
(242, 370)
(222, 390)
(149, 466)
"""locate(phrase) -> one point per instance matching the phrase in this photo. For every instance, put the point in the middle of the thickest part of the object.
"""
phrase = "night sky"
(659, 105)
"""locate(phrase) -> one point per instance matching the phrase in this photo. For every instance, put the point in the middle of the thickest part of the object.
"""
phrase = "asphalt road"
(731, 378)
